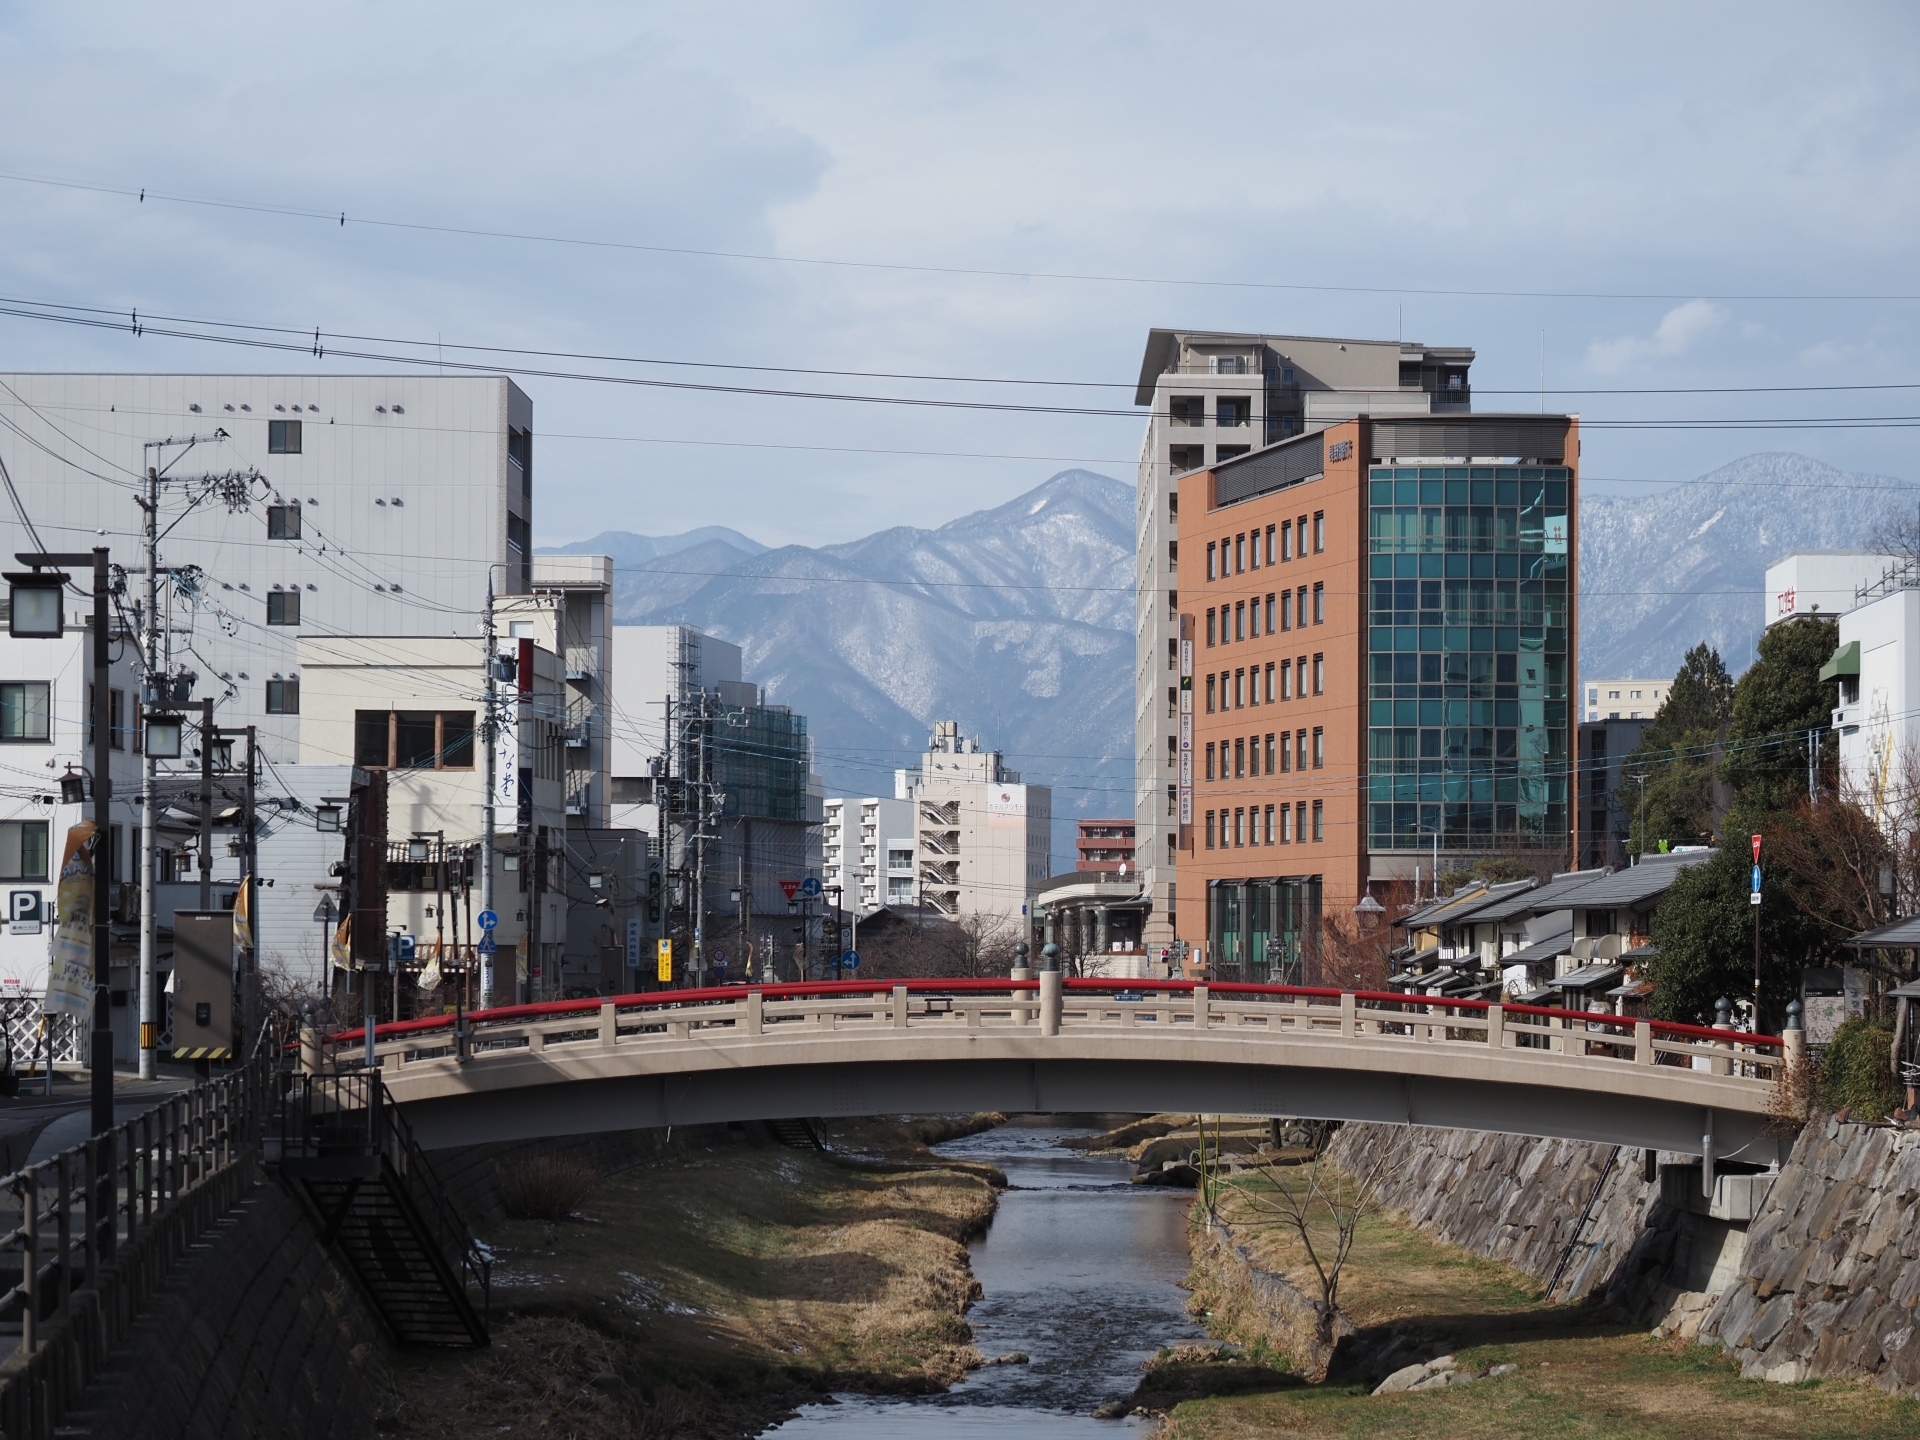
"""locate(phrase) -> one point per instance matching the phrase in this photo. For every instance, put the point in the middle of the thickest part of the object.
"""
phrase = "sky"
(1631, 197)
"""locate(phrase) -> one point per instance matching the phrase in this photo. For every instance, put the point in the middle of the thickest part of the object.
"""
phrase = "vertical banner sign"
(1186, 728)
(633, 944)
(666, 962)
(1754, 897)
(506, 749)
(70, 975)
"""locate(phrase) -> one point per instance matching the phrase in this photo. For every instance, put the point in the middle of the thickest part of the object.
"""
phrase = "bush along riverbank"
(1470, 1347)
(710, 1292)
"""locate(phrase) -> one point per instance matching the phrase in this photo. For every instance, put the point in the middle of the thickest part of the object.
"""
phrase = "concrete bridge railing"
(737, 1052)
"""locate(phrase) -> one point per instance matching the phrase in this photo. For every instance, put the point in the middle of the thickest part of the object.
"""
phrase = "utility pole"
(491, 730)
(1642, 778)
(206, 804)
(149, 686)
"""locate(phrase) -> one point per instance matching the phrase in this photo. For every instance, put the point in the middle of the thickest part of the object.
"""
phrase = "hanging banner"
(70, 973)
(341, 946)
(243, 918)
(430, 977)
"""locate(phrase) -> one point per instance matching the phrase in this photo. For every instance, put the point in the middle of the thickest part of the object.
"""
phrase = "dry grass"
(711, 1293)
(545, 1186)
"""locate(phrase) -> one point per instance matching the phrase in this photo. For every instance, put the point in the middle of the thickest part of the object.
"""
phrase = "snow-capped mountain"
(1014, 621)
(1661, 573)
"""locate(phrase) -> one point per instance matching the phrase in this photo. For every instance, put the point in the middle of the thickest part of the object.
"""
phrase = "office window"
(1210, 760)
(1209, 829)
(1319, 821)
(1239, 689)
(413, 739)
(25, 710)
(1269, 824)
(1319, 748)
(1286, 610)
(1302, 522)
(1269, 544)
(283, 437)
(1286, 753)
(1286, 824)
(1239, 758)
(1239, 827)
(1173, 654)
(1286, 679)
(1286, 541)
(1300, 605)
(1269, 751)
(283, 522)
(1253, 551)
(1319, 542)
(1319, 674)
(1635, 695)
(1253, 620)
(116, 717)
(283, 607)
(1253, 756)
(1212, 560)
(1320, 604)
(1240, 621)
(1269, 614)
(1300, 750)
(1209, 692)
(23, 850)
(1173, 703)
(1173, 849)
(283, 697)
(1239, 554)
(1210, 616)
(1269, 682)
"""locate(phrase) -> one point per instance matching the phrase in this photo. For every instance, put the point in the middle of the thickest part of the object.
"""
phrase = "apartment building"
(1624, 699)
(1609, 795)
(1214, 396)
(1377, 643)
(569, 614)
(1104, 846)
(982, 837)
(867, 851)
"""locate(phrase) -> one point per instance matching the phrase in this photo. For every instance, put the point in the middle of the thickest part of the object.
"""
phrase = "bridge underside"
(1018, 1086)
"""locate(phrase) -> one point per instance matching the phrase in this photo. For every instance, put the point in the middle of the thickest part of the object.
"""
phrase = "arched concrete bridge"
(861, 1048)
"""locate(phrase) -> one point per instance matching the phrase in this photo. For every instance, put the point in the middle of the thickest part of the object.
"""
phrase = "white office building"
(867, 851)
(1623, 699)
(1829, 582)
(1213, 395)
(983, 840)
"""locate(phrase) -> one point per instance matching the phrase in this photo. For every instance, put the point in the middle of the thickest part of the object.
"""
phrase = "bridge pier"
(1049, 1002)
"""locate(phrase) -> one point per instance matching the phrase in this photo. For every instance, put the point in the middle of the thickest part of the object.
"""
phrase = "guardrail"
(96, 1228)
(1230, 1009)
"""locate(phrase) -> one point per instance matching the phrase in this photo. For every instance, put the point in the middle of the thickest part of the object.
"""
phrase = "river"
(1080, 1270)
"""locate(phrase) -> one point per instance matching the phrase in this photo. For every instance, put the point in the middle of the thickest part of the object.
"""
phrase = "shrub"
(546, 1186)
(1854, 1073)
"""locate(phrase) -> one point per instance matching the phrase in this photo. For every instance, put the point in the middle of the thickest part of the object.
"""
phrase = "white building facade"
(983, 839)
(1622, 699)
(867, 851)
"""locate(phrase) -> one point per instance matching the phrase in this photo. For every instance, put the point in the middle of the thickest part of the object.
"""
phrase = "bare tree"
(1316, 1203)
(1897, 532)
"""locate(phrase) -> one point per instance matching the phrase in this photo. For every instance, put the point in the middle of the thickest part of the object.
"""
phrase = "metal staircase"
(347, 1152)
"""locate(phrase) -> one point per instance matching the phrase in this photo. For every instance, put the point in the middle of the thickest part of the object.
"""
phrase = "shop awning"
(1845, 661)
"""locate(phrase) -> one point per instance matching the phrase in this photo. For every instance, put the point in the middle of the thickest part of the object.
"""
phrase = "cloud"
(1681, 329)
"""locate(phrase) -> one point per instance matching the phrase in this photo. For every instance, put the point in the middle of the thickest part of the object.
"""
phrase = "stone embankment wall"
(1510, 1197)
(1824, 1282)
(256, 1335)
(1831, 1272)
(1257, 1308)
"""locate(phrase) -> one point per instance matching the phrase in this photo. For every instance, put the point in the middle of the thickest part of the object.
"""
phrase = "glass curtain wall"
(1469, 570)
(1263, 931)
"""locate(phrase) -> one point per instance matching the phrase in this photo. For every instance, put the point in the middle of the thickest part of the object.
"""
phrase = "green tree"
(1777, 702)
(1703, 930)
(1679, 755)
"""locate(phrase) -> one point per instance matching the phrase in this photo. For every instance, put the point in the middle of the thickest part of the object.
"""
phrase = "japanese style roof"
(1899, 935)
(1462, 905)
(1540, 951)
(1587, 977)
(1541, 898)
(1631, 888)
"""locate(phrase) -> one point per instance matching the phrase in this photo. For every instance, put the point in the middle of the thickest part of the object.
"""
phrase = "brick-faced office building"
(1378, 649)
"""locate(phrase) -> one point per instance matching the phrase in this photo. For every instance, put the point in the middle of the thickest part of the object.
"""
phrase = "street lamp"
(37, 609)
(73, 787)
(163, 736)
(327, 818)
(220, 755)
(418, 849)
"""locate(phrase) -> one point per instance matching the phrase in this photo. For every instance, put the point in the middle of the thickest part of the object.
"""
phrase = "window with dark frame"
(283, 697)
(25, 711)
(23, 850)
(1320, 604)
(283, 522)
(283, 607)
(283, 437)
(413, 739)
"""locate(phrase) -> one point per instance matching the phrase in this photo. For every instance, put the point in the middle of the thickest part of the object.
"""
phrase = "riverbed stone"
(1404, 1378)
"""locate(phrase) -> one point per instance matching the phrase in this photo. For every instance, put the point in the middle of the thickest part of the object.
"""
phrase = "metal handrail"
(71, 1213)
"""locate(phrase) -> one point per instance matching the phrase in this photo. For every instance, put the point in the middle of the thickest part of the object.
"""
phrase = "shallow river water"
(1080, 1270)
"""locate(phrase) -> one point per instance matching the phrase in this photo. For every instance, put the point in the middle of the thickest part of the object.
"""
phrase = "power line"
(340, 219)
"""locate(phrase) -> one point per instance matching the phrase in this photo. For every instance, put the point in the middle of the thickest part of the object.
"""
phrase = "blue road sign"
(1128, 997)
(850, 960)
(1756, 879)
(488, 919)
(486, 945)
(810, 887)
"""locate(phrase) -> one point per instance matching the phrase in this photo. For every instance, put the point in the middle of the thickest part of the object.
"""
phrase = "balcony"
(577, 729)
(583, 663)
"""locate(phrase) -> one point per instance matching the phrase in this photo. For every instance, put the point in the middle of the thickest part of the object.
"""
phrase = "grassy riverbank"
(1578, 1375)
(708, 1294)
